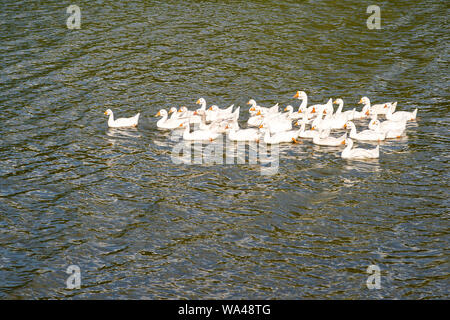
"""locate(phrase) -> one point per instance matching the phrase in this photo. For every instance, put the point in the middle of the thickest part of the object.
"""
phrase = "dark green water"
(141, 226)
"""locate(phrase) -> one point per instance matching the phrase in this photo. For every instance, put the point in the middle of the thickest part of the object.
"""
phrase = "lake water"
(141, 225)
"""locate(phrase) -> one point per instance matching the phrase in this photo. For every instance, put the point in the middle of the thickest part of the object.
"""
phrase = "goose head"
(301, 95)
(365, 101)
(348, 142)
(108, 112)
(252, 103)
(289, 109)
(213, 108)
(182, 110)
(374, 124)
(349, 125)
(202, 102)
(161, 113)
(340, 103)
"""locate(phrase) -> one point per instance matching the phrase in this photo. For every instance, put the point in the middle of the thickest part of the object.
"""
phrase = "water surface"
(140, 225)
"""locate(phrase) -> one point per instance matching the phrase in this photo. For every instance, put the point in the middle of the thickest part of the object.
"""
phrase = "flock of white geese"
(272, 126)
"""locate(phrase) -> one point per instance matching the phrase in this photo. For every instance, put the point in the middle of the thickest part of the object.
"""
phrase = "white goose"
(121, 122)
(339, 113)
(328, 107)
(190, 115)
(214, 113)
(198, 135)
(253, 106)
(216, 124)
(165, 123)
(321, 122)
(359, 153)
(392, 129)
(174, 113)
(237, 134)
(255, 121)
(202, 103)
(366, 135)
(280, 137)
(303, 110)
(301, 95)
(324, 139)
(291, 114)
(267, 111)
(376, 108)
(401, 115)
(364, 113)
(308, 134)
(276, 125)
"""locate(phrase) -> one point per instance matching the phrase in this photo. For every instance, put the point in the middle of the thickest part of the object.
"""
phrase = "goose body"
(277, 125)
(280, 137)
(324, 139)
(291, 114)
(376, 108)
(359, 153)
(121, 122)
(348, 115)
(198, 135)
(172, 123)
(401, 115)
(308, 134)
(236, 134)
(366, 135)
(392, 129)
(303, 108)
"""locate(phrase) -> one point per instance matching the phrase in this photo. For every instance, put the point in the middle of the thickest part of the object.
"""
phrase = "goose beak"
(227, 127)
(297, 95)
(259, 113)
(335, 102)
(367, 112)
(170, 111)
(248, 102)
(299, 110)
(195, 113)
(198, 101)
(210, 108)
(324, 111)
(261, 126)
(181, 125)
(360, 101)
(293, 140)
(313, 110)
(285, 109)
(345, 126)
(158, 114)
(385, 105)
(313, 128)
(343, 142)
(106, 113)
(252, 109)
